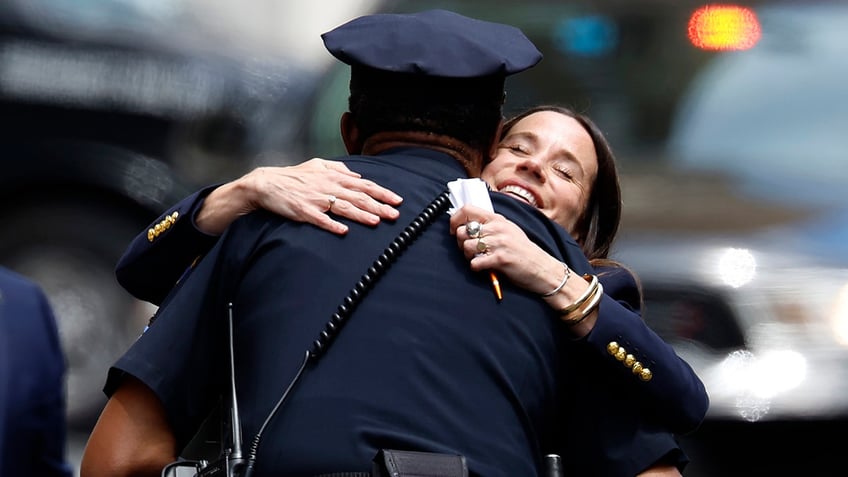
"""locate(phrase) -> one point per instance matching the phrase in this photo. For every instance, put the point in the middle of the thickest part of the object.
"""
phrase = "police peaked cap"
(434, 47)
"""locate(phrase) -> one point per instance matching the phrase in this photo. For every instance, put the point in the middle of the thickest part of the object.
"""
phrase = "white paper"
(469, 191)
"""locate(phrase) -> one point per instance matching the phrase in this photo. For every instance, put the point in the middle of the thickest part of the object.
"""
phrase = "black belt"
(346, 474)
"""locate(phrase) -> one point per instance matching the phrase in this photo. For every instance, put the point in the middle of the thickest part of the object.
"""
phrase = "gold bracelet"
(561, 284)
(593, 284)
(586, 310)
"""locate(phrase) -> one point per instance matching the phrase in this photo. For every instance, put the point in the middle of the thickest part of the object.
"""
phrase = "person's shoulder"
(15, 282)
(619, 281)
(24, 304)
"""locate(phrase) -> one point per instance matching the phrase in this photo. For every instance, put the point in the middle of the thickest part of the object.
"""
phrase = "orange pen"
(496, 285)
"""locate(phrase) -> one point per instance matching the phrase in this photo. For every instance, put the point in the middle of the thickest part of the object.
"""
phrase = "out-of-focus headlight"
(750, 381)
(796, 326)
(839, 316)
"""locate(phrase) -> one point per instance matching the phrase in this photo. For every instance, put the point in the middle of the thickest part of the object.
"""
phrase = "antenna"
(235, 423)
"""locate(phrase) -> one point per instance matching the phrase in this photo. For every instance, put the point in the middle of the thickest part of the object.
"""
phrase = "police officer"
(429, 360)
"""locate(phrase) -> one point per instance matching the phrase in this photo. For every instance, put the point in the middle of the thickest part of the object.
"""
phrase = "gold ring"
(332, 200)
(482, 247)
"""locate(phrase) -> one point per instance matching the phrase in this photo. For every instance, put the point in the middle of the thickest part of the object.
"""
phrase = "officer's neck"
(470, 158)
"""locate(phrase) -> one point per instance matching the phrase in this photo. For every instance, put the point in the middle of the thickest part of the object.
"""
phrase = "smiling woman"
(548, 161)
(579, 188)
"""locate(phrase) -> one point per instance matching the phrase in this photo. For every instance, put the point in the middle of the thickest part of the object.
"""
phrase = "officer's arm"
(661, 471)
(131, 437)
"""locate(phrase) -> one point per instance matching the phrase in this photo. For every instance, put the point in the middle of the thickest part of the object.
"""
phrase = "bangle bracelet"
(561, 284)
(587, 310)
(593, 285)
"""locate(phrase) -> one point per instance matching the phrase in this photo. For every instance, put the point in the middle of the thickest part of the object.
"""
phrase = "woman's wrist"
(585, 304)
(566, 275)
(221, 207)
(577, 300)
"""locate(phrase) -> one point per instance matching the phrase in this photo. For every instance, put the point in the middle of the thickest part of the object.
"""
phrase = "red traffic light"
(723, 27)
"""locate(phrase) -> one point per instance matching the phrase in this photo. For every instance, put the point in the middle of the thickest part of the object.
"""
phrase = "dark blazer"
(32, 386)
(634, 388)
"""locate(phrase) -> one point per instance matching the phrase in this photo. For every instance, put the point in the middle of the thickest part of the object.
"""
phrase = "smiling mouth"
(520, 193)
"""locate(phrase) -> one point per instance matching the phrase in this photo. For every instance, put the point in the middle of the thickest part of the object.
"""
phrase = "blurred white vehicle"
(767, 331)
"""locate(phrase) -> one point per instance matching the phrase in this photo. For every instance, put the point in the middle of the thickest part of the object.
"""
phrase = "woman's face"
(547, 160)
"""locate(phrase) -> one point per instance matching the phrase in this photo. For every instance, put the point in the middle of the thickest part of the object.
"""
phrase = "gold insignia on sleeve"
(621, 354)
(162, 226)
(628, 359)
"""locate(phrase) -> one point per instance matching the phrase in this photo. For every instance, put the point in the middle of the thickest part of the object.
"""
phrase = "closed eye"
(563, 171)
(517, 148)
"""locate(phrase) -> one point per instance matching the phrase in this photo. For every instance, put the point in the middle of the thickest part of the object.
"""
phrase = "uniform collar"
(428, 162)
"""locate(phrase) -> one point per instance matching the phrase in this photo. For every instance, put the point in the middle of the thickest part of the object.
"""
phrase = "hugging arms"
(548, 159)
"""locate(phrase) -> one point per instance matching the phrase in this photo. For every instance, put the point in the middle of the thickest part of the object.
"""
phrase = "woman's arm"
(300, 193)
(630, 347)
(614, 330)
(160, 255)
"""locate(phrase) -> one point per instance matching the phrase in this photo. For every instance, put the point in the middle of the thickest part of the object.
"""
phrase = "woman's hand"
(507, 250)
(501, 245)
(312, 192)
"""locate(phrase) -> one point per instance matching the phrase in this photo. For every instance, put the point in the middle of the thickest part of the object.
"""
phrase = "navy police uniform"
(430, 360)
(32, 383)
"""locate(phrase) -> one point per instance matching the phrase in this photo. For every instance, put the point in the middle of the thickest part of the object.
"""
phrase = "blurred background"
(729, 123)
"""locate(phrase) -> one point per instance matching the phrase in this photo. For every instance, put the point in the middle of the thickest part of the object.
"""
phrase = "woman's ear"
(350, 133)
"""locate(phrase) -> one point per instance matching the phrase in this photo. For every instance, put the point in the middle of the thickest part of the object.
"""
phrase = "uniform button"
(151, 234)
(629, 360)
(646, 374)
(621, 354)
(637, 368)
(175, 216)
(612, 347)
(157, 229)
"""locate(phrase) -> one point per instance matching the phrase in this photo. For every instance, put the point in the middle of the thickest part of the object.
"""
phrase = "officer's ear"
(350, 133)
